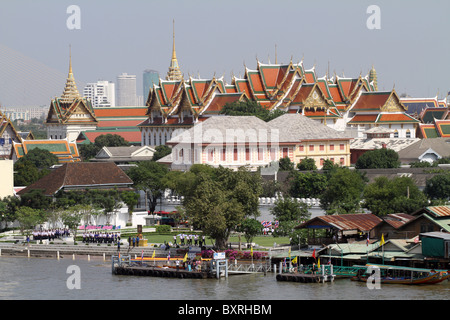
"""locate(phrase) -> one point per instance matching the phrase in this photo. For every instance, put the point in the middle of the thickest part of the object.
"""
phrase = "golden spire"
(373, 78)
(174, 69)
(70, 91)
(276, 60)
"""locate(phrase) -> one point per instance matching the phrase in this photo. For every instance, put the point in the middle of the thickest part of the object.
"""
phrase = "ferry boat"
(402, 275)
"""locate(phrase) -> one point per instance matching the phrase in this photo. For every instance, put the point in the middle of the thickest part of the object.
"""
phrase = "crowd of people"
(189, 239)
(50, 234)
(101, 237)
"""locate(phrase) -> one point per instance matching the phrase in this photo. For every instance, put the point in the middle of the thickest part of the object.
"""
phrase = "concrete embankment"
(70, 250)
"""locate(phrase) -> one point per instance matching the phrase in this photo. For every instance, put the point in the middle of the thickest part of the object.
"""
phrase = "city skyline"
(408, 51)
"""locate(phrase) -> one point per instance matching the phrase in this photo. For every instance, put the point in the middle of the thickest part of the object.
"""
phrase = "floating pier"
(124, 265)
(151, 271)
(305, 277)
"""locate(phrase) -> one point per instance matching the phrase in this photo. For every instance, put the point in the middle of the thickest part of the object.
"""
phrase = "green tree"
(251, 228)
(35, 199)
(131, 199)
(286, 164)
(307, 184)
(26, 173)
(110, 140)
(88, 151)
(378, 159)
(343, 192)
(149, 176)
(307, 164)
(28, 218)
(250, 108)
(399, 195)
(217, 200)
(71, 218)
(289, 212)
(438, 187)
(161, 152)
(42, 159)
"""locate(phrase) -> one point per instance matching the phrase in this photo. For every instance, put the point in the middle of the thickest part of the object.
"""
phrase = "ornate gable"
(393, 104)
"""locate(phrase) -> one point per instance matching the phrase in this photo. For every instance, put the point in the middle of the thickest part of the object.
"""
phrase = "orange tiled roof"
(120, 112)
(395, 117)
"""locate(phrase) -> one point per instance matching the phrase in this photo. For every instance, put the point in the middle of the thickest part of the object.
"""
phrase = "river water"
(47, 279)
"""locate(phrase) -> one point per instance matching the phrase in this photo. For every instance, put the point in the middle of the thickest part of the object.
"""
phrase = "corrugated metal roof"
(441, 235)
(398, 219)
(362, 222)
(440, 211)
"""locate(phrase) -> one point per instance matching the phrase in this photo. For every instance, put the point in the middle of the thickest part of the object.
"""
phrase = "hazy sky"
(410, 50)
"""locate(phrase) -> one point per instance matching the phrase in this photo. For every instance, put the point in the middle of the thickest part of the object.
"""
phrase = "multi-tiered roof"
(289, 87)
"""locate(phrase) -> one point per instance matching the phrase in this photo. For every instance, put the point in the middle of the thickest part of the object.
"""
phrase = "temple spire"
(174, 69)
(373, 78)
(70, 91)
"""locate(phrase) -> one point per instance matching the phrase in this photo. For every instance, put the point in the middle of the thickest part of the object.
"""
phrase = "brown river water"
(23, 278)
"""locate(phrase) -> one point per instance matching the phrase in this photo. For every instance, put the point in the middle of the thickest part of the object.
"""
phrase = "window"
(331, 147)
(342, 161)
(235, 154)
(408, 133)
(247, 154)
(311, 147)
(342, 146)
(301, 148)
(272, 154)
(396, 134)
(260, 154)
(321, 161)
(211, 155)
(224, 154)
(322, 147)
(285, 152)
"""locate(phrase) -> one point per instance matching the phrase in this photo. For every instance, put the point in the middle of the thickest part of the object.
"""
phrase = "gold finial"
(174, 69)
(70, 58)
(174, 54)
(276, 60)
(70, 91)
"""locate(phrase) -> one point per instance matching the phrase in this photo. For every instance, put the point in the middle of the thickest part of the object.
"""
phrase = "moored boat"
(401, 275)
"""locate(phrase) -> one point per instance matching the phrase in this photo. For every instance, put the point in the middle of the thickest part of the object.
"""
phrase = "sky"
(409, 50)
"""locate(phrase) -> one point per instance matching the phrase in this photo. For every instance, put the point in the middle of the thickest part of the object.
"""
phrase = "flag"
(168, 256)
(154, 253)
(142, 255)
(185, 257)
(284, 262)
(318, 263)
(251, 250)
(382, 240)
(314, 254)
(294, 260)
(367, 241)
(289, 252)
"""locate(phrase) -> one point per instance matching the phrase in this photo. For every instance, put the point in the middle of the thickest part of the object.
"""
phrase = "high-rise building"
(150, 77)
(101, 94)
(126, 90)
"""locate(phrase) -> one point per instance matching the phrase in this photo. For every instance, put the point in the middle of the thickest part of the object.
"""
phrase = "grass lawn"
(264, 241)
